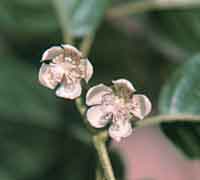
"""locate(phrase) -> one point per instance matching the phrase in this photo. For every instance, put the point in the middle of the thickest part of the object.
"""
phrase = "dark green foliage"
(182, 95)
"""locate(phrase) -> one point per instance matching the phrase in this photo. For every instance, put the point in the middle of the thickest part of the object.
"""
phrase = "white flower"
(63, 68)
(117, 106)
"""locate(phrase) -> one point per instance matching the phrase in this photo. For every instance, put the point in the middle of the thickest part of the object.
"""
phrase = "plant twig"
(99, 174)
(82, 110)
(99, 141)
(63, 19)
(80, 106)
(168, 118)
(86, 44)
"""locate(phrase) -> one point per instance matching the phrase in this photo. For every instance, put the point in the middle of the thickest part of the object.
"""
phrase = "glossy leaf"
(182, 95)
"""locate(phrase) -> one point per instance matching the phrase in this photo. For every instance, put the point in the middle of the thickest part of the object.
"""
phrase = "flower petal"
(95, 94)
(96, 117)
(124, 83)
(88, 69)
(120, 129)
(50, 75)
(142, 106)
(69, 90)
(72, 52)
(123, 88)
(52, 52)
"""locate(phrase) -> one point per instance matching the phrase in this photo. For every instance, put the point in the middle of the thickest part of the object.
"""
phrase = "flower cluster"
(63, 68)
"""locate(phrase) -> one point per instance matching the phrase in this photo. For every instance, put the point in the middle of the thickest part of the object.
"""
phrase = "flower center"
(117, 106)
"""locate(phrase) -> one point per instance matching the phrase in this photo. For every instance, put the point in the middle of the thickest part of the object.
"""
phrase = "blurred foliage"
(78, 17)
(43, 137)
(182, 28)
(25, 20)
(22, 99)
(182, 95)
(34, 144)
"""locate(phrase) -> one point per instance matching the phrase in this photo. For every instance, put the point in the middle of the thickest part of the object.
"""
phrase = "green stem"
(63, 19)
(168, 118)
(98, 173)
(86, 44)
(99, 141)
(80, 106)
(82, 110)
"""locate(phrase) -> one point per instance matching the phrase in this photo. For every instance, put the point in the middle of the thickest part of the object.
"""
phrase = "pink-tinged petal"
(52, 53)
(120, 129)
(124, 84)
(88, 70)
(50, 75)
(95, 94)
(96, 117)
(141, 106)
(69, 47)
(69, 90)
(72, 52)
(60, 59)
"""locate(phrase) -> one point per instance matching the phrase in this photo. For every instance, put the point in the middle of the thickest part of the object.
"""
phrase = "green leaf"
(23, 99)
(185, 33)
(182, 95)
(25, 20)
(81, 17)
